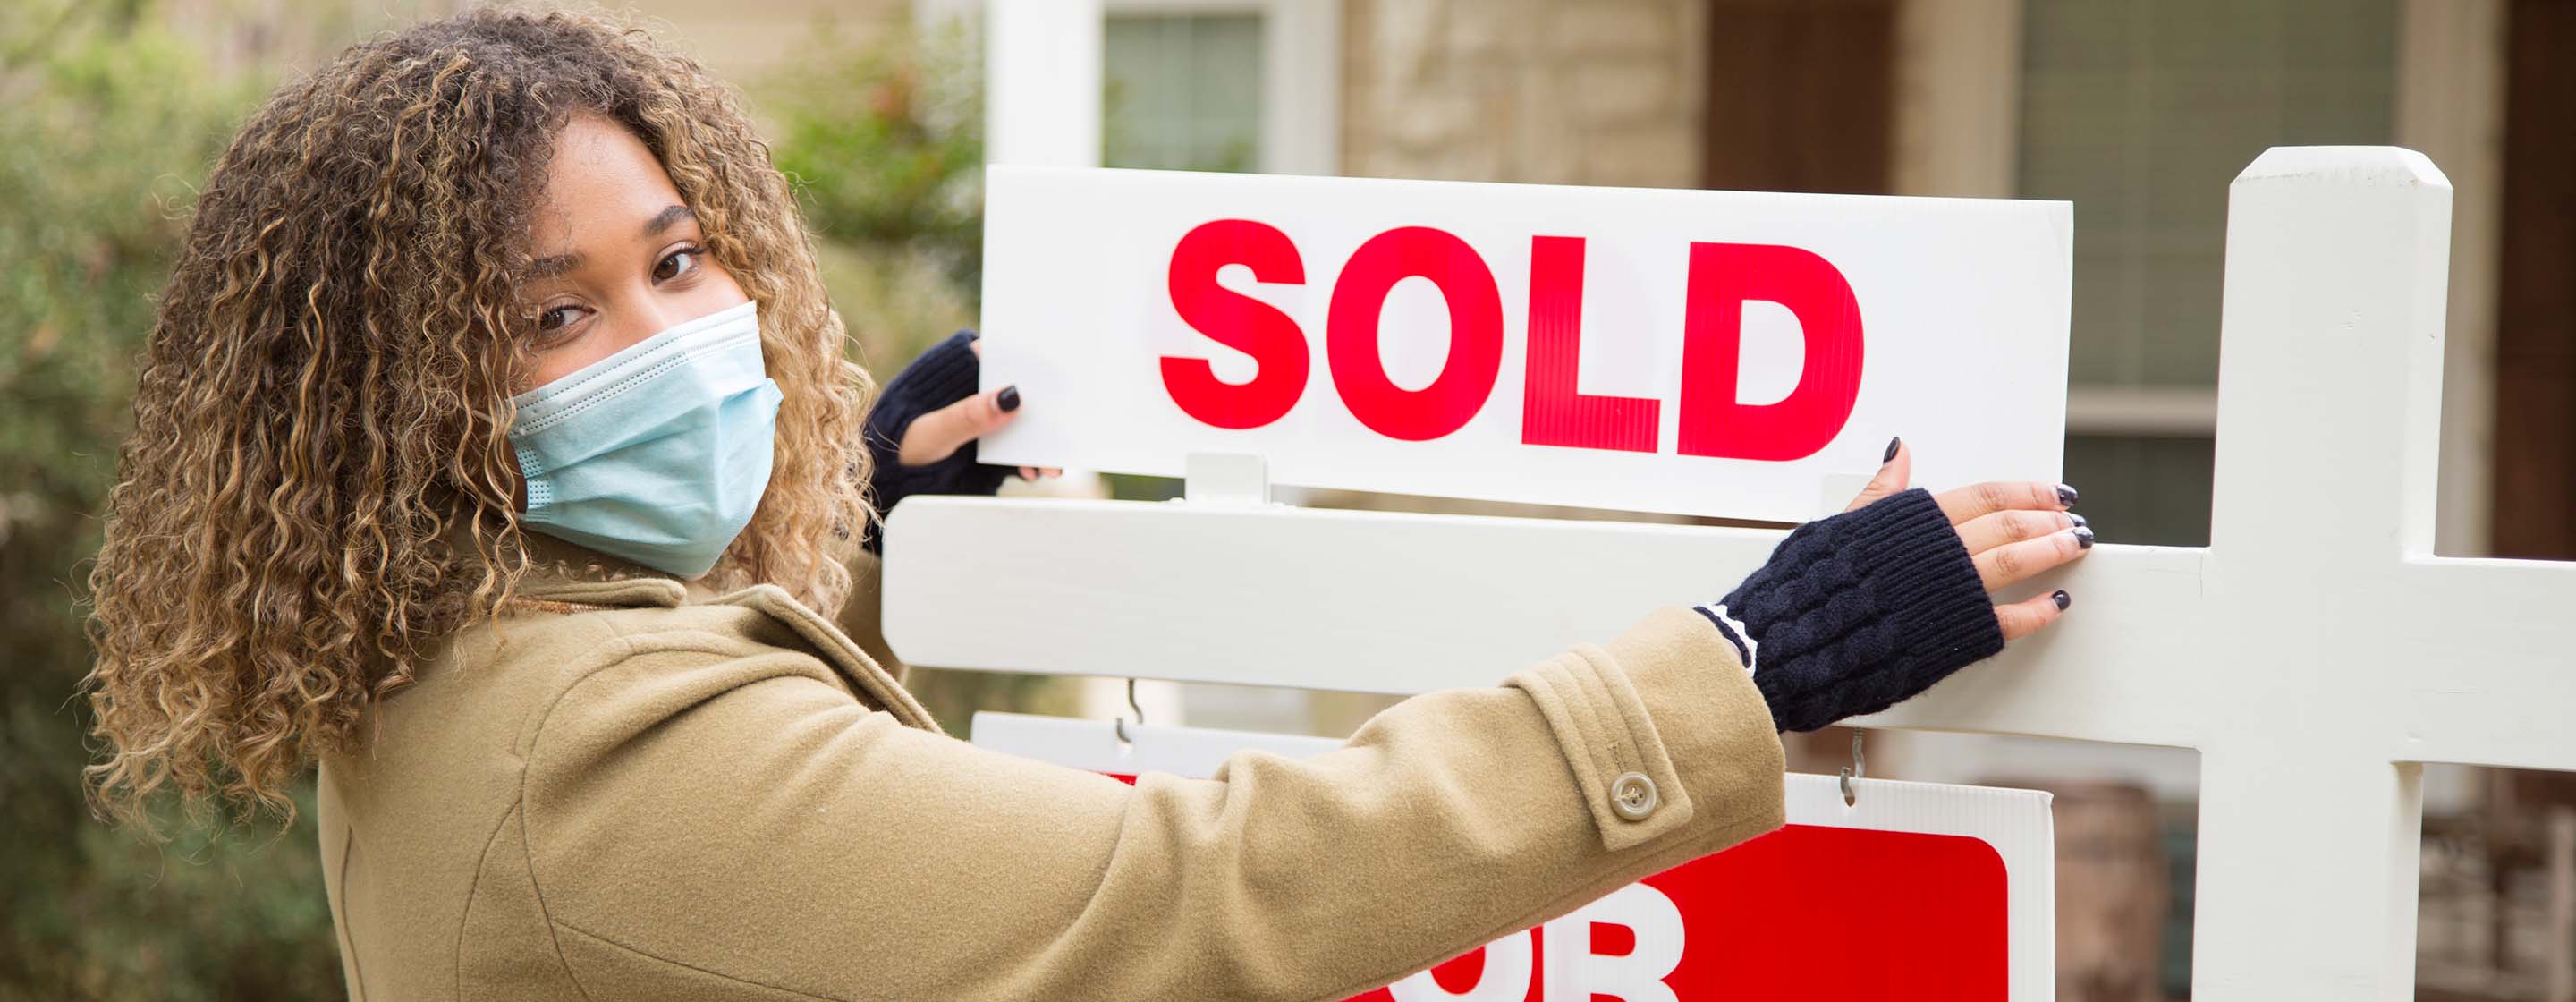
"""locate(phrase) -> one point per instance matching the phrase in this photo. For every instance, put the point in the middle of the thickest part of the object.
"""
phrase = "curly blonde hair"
(324, 405)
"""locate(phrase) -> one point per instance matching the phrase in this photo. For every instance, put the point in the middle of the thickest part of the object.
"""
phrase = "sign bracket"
(1239, 479)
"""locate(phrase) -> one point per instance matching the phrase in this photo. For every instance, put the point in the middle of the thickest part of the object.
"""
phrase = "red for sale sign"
(1912, 890)
(1862, 915)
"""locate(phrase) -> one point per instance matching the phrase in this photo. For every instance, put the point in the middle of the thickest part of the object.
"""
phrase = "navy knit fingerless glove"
(1859, 611)
(942, 376)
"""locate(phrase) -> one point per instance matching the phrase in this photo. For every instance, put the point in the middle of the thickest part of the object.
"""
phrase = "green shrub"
(883, 140)
(111, 123)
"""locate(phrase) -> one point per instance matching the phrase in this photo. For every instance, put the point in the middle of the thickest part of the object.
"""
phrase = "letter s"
(1237, 321)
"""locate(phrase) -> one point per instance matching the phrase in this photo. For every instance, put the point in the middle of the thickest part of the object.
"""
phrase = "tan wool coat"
(635, 789)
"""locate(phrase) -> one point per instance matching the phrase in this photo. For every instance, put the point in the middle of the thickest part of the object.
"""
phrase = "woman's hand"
(2013, 530)
(923, 429)
(939, 434)
(1855, 613)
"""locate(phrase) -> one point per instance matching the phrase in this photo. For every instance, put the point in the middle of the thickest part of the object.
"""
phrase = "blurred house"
(2138, 112)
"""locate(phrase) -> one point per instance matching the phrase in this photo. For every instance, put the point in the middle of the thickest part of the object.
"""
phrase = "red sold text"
(1722, 278)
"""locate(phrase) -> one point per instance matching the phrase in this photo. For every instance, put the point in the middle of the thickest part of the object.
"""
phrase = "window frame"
(1301, 75)
(1958, 125)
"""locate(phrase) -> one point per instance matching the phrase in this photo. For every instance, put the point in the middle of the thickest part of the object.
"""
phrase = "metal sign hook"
(1853, 771)
(1121, 725)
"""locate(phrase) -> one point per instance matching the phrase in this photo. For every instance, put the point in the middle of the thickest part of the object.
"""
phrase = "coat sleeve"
(741, 825)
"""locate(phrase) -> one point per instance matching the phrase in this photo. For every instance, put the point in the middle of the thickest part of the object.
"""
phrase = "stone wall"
(1603, 92)
(745, 41)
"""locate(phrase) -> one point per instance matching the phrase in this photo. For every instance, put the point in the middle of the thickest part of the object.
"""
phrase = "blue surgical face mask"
(657, 454)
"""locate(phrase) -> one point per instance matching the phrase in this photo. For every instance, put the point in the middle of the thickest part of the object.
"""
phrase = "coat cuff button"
(1633, 796)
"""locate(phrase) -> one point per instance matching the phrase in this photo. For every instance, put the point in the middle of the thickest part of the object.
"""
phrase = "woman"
(496, 450)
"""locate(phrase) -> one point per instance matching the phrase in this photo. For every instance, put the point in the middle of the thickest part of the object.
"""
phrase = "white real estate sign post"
(1722, 353)
(2315, 653)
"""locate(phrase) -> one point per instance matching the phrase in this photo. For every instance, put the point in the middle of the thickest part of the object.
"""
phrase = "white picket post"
(1042, 82)
(2315, 652)
(2329, 419)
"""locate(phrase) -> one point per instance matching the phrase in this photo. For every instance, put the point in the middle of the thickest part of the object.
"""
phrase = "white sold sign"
(1699, 352)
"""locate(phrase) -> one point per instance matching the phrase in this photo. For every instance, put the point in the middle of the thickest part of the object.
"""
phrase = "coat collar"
(564, 573)
(566, 577)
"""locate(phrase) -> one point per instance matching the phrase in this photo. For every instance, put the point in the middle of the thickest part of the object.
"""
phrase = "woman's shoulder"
(541, 651)
(497, 697)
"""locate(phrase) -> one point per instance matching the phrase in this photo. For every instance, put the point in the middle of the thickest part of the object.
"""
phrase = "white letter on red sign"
(1573, 973)
(1506, 977)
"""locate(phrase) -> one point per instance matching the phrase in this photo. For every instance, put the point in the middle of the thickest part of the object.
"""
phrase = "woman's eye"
(677, 263)
(555, 319)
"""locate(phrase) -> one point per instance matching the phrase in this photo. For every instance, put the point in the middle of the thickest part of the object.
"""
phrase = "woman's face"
(618, 255)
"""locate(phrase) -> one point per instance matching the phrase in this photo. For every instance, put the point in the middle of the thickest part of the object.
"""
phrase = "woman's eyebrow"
(666, 219)
(551, 266)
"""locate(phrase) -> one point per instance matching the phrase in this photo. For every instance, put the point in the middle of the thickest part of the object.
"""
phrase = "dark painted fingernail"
(2079, 520)
(2062, 599)
(1009, 399)
(1892, 445)
(2083, 537)
(2066, 495)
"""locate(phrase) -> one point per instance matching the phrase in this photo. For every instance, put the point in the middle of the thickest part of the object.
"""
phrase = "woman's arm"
(737, 815)
(743, 818)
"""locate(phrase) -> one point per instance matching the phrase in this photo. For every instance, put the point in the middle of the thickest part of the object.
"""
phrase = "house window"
(2141, 113)
(1181, 91)
(1226, 85)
